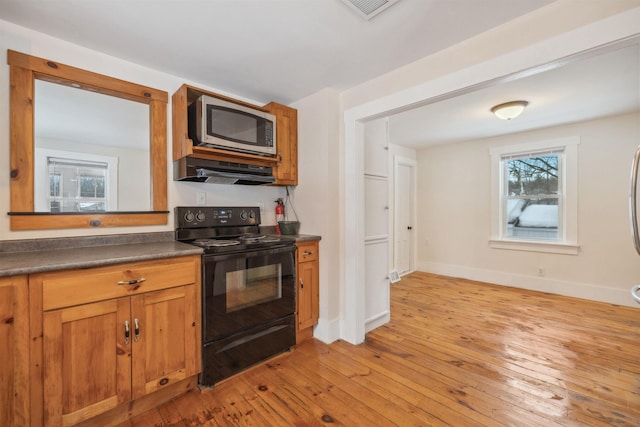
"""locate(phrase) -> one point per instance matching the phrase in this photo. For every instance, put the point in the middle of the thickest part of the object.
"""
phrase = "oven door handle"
(251, 253)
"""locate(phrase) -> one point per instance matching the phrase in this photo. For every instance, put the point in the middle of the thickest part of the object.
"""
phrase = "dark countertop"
(41, 255)
(271, 230)
(305, 237)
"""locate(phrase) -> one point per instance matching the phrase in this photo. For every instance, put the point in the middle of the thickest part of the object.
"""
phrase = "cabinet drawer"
(73, 287)
(307, 251)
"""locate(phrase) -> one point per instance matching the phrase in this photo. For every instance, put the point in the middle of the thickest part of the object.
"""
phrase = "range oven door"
(244, 290)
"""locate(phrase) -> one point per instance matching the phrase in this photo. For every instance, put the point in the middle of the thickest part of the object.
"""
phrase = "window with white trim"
(77, 185)
(68, 181)
(534, 196)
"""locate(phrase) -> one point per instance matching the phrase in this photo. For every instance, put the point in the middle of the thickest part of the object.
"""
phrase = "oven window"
(253, 286)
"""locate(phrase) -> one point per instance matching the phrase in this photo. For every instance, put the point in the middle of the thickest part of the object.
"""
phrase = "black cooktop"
(224, 229)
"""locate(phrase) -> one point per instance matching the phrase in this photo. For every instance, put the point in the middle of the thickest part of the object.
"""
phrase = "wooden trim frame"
(24, 70)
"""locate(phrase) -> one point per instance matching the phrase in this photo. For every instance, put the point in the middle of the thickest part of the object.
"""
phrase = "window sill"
(535, 246)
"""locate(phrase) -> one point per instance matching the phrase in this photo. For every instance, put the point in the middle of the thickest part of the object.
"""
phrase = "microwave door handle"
(633, 194)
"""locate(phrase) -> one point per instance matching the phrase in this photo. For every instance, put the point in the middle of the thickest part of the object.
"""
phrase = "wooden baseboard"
(131, 409)
(304, 334)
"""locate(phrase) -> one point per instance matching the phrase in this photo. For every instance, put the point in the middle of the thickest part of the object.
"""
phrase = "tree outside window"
(532, 195)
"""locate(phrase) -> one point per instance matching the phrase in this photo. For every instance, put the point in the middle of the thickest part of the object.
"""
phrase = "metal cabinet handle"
(126, 332)
(132, 282)
(301, 284)
(307, 253)
(136, 330)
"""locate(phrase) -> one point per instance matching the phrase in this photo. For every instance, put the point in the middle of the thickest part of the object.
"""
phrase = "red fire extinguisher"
(279, 213)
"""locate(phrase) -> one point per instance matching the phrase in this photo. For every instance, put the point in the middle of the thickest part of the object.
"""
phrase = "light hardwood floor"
(456, 353)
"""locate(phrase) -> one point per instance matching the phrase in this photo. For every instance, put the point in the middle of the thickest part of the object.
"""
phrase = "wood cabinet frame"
(14, 358)
(284, 164)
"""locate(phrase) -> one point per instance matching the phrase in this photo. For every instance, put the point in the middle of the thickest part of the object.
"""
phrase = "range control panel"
(209, 216)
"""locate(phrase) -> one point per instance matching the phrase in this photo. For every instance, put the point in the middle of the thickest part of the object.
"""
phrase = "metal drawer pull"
(307, 253)
(126, 332)
(136, 331)
(132, 282)
(301, 284)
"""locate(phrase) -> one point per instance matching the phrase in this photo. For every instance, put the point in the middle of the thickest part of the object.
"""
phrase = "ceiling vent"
(367, 9)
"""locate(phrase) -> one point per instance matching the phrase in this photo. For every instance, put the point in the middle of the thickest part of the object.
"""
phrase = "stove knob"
(243, 215)
(252, 215)
(200, 216)
(189, 216)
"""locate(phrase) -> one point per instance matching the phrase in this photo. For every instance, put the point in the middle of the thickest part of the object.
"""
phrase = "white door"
(404, 220)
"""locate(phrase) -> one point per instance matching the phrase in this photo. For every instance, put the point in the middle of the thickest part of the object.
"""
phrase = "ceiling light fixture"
(509, 110)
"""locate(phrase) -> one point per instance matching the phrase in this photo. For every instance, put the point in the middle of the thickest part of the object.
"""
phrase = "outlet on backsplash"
(201, 198)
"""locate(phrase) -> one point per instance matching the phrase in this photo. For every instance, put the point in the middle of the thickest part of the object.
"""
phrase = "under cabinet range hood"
(219, 172)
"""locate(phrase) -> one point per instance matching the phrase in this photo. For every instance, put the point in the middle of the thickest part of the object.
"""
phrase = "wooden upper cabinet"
(286, 171)
(284, 164)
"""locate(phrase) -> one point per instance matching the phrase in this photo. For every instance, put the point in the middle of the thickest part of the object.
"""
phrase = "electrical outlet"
(202, 198)
(261, 206)
(541, 272)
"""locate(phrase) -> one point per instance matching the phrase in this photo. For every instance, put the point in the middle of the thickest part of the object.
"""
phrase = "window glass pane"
(77, 185)
(532, 175)
(532, 192)
(532, 218)
(54, 184)
(92, 186)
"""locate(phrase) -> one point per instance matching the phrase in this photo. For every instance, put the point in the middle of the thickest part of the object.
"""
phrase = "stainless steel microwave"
(222, 124)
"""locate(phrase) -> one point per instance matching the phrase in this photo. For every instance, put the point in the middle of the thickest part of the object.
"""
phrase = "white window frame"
(567, 242)
(41, 176)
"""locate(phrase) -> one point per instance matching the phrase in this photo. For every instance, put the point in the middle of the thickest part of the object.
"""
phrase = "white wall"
(33, 43)
(316, 197)
(561, 29)
(454, 197)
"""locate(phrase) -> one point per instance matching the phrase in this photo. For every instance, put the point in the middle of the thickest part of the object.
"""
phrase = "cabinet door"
(167, 347)
(376, 148)
(87, 361)
(377, 300)
(14, 337)
(307, 294)
(376, 205)
(286, 171)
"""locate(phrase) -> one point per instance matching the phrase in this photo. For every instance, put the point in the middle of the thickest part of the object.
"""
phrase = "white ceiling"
(284, 50)
(267, 50)
(585, 88)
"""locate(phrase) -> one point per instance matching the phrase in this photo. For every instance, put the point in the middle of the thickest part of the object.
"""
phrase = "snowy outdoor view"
(532, 196)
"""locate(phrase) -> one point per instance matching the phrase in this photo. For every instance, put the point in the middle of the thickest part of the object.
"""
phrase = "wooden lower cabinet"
(307, 298)
(103, 354)
(83, 375)
(14, 356)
